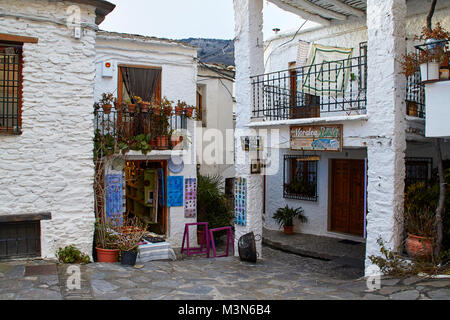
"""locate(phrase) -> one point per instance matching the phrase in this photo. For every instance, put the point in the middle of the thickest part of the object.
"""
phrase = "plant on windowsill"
(301, 188)
(166, 107)
(106, 102)
(431, 56)
(285, 218)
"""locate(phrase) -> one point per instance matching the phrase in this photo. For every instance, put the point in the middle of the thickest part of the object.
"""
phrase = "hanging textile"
(175, 191)
(114, 197)
(302, 53)
(327, 71)
(161, 198)
(190, 197)
(141, 82)
(240, 201)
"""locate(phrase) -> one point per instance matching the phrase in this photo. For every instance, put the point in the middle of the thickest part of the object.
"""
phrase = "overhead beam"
(345, 7)
(305, 4)
(303, 14)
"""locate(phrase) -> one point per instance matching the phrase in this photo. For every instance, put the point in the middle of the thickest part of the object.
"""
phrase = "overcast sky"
(178, 19)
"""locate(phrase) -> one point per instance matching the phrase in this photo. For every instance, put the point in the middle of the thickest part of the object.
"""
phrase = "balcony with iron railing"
(120, 130)
(318, 90)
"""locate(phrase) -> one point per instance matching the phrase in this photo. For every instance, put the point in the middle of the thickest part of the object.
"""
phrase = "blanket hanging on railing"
(327, 71)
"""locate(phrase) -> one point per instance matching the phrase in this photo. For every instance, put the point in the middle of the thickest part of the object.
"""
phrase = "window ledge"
(25, 217)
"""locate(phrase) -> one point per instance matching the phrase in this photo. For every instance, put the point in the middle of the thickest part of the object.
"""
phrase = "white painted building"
(46, 124)
(215, 97)
(175, 62)
(291, 83)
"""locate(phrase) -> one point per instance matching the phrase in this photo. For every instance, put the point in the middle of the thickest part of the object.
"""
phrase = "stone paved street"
(278, 276)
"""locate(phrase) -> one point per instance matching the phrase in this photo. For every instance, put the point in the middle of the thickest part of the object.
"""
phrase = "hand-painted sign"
(317, 138)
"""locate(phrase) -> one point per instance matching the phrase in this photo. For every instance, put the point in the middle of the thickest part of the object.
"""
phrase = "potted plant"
(131, 106)
(189, 111)
(129, 238)
(157, 110)
(285, 218)
(166, 107)
(430, 56)
(179, 108)
(145, 106)
(419, 221)
(106, 102)
(106, 241)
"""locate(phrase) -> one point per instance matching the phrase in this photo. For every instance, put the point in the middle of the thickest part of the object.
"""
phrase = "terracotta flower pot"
(189, 112)
(420, 247)
(107, 108)
(131, 107)
(179, 111)
(288, 229)
(168, 112)
(145, 106)
(107, 255)
(162, 142)
(176, 141)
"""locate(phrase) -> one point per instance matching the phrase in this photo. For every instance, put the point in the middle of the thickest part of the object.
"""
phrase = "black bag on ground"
(247, 247)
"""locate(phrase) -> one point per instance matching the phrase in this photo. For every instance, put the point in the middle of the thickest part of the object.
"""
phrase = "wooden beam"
(16, 38)
(309, 6)
(25, 217)
(301, 13)
(345, 7)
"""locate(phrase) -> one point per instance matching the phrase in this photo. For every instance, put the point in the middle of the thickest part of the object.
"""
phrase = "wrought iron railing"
(415, 96)
(124, 126)
(313, 90)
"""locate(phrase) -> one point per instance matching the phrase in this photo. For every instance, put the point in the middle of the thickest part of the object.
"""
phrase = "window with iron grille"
(418, 170)
(11, 87)
(300, 178)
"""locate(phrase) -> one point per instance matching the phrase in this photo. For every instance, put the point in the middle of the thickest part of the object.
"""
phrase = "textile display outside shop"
(240, 201)
(190, 198)
(175, 191)
(114, 196)
(327, 71)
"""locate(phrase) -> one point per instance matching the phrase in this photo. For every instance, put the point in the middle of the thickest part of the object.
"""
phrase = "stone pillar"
(385, 136)
(249, 57)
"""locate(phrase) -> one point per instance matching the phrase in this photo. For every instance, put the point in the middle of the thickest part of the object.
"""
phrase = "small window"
(418, 170)
(300, 178)
(11, 87)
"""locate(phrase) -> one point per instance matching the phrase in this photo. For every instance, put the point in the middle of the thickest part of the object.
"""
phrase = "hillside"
(213, 50)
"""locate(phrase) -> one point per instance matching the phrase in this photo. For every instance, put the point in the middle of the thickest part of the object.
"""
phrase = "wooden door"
(347, 196)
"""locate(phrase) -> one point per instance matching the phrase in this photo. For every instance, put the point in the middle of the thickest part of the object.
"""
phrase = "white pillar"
(249, 59)
(386, 137)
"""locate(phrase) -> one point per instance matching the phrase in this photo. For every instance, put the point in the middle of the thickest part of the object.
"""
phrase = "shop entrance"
(145, 193)
(347, 196)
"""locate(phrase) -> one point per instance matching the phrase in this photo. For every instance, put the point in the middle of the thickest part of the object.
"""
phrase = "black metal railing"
(310, 91)
(124, 126)
(10, 91)
(415, 96)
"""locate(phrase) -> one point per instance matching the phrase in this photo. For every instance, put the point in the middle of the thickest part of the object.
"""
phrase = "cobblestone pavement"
(278, 276)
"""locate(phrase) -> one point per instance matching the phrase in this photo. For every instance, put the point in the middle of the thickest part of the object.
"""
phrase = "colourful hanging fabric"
(114, 197)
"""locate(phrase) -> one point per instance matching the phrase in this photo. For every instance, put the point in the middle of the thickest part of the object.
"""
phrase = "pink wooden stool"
(229, 239)
(205, 240)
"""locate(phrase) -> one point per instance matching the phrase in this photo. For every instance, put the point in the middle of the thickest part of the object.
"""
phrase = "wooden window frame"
(120, 81)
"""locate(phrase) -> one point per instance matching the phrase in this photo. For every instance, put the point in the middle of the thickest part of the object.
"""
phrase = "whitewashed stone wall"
(218, 106)
(249, 56)
(178, 82)
(49, 166)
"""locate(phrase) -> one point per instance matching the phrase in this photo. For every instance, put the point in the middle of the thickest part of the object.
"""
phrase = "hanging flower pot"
(107, 255)
(430, 71)
(189, 112)
(131, 107)
(107, 108)
(162, 142)
(179, 110)
(145, 106)
(168, 111)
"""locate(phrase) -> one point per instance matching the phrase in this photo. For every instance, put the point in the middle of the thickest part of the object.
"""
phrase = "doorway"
(348, 196)
(145, 193)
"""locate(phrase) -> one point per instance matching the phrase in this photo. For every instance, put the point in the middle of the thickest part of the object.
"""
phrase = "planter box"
(437, 109)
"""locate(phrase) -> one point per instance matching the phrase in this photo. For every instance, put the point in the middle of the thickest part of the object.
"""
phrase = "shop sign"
(316, 137)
